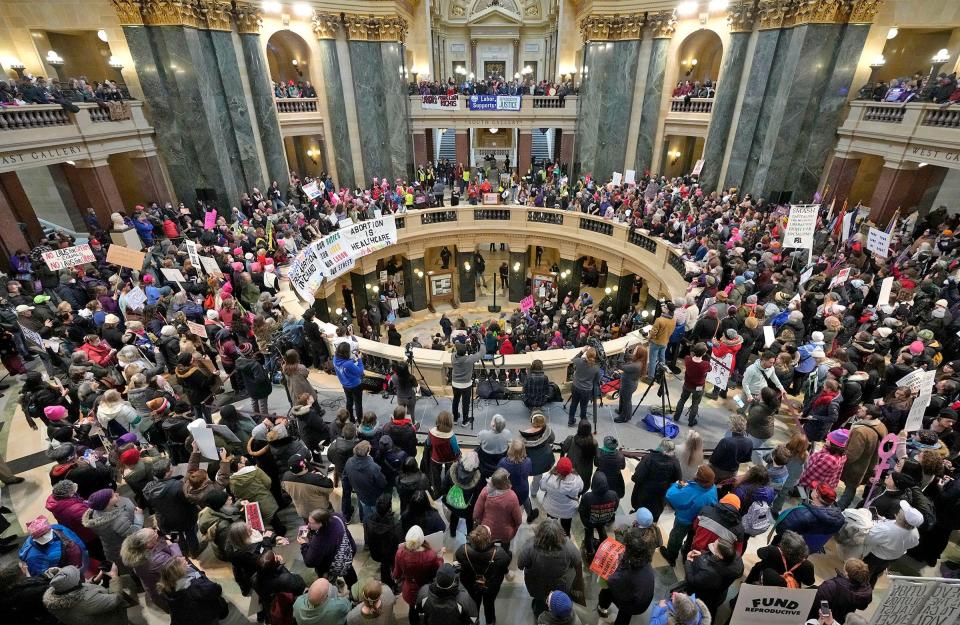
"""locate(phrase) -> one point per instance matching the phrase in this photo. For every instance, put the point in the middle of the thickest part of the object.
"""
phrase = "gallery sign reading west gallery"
(40, 156)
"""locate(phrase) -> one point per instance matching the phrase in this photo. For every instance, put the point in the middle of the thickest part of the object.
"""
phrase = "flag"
(836, 227)
(893, 222)
(830, 212)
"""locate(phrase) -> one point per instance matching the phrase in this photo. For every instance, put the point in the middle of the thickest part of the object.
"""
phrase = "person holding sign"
(631, 585)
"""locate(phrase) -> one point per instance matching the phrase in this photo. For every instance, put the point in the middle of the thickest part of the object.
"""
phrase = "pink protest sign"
(526, 303)
(209, 220)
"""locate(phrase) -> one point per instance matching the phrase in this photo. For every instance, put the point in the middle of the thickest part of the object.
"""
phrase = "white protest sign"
(885, 287)
(312, 190)
(173, 275)
(719, 374)
(697, 168)
(768, 336)
(630, 177)
(801, 226)
(193, 253)
(840, 278)
(806, 275)
(32, 336)
(369, 236)
(772, 605)
(136, 298)
(617, 178)
(845, 227)
(210, 266)
(203, 436)
(69, 257)
(918, 380)
(915, 416)
(918, 601)
(878, 242)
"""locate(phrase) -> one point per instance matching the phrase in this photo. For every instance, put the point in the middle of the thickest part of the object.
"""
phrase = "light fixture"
(718, 5)
(295, 62)
(493, 131)
(471, 75)
(420, 273)
(271, 7)
(686, 9)
(517, 75)
(376, 288)
(645, 314)
(369, 286)
(72, 163)
(878, 61)
(694, 62)
(616, 287)
(608, 290)
(115, 63)
(339, 311)
(466, 265)
(893, 32)
(527, 70)
(942, 56)
(54, 59)
(460, 70)
(102, 35)
(302, 10)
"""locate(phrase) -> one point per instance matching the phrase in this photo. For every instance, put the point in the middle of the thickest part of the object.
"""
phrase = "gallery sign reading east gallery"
(41, 156)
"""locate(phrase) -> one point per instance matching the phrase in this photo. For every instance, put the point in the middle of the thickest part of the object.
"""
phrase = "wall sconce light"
(376, 288)
(460, 70)
(893, 32)
(16, 66)
(313, 154)
(517, 75)
(420, 274)
(339, 311)
(645, 314)
(296, 66)
(516, 266)
(527, 70)
(54, 59)
(102, 35)
(878, 61)
(466, 265)
(608, 290)
(942, 56)
(115, 63)
(675, 156)
(471, 75)
(369, 286)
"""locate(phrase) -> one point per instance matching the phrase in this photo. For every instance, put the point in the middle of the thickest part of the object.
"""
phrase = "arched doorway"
(699, 57)
(288, 57)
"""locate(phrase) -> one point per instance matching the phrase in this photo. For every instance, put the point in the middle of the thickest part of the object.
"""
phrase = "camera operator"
(696, 368)
(629, 381)
(586, 380)
(462, 376)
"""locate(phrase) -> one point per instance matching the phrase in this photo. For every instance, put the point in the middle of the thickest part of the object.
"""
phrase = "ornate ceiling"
(462, 12)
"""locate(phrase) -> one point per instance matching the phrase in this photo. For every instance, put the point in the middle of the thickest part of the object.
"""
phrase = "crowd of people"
(127, 380)
(291, 89)
(493, 85)
(943, 89)
(39, 90)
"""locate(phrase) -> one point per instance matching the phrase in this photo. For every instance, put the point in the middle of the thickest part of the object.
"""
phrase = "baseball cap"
(644, 517)
(911, 515)
(23, 308)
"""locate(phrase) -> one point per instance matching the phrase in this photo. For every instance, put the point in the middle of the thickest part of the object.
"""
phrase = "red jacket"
(69, 513)
(99, 355)
(723, 347)
(414, 569)
(500, 512)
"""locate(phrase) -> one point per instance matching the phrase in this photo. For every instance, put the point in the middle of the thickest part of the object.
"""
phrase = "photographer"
(586, 380)
(631, 371)
(462, 377)
(350, 373)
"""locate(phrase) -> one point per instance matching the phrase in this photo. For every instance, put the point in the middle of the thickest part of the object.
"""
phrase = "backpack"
(455, 499)
(850, 539)
(787, 575)
(757, 519)
(281, 609)
(480, 581)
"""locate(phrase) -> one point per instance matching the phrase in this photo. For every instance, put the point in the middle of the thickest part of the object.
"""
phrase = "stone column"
(420, 149)
(566, 147)
(361, 294)
(19, 201)
(896, 188)
(261, 92)
(571, 272)
(326, 26)
(843, 172)
(662, 26)
(463, 147)
(740, 19)
(94, 187)
(473, 59)
(467, 275)
(516, 59)
(623, 293)
(149, 174)
(11, 236)
(415, 283)
(524, 151)
(518, 274)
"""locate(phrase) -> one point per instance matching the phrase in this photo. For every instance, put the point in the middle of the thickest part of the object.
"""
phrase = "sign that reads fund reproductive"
(772, 605)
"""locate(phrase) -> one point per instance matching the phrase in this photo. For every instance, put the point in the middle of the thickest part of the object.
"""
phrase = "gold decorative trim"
(326, 25)
(662, 24)
(612, 27)
(128, 12)
(774, 14)
(864, 11)
(217, 14)
(821, 11)
(370, 28)
(172, 13)
(248, 18)
(741, 16)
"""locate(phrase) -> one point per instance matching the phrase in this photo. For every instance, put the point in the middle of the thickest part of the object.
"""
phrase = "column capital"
(821, 11)
(326, 25)
(612, 27)
(863, 11)
(172, 13)
(248, 18)
(774, 14)
(217, 14)
(474, 42)
(662, 24)
(370, 28)
(128, 12)
(741, 15)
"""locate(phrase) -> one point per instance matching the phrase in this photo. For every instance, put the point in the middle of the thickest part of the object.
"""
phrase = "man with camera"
(462, 376)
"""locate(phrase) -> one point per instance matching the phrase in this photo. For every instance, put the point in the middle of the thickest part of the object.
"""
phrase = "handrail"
(691, 105)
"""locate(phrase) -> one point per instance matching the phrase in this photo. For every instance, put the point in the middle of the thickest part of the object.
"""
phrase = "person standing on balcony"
(438, 190)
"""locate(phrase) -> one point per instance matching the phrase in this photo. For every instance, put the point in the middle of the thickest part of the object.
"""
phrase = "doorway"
(494, 69)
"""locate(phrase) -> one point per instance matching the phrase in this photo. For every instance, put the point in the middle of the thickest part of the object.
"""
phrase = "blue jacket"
(815, 523)
(690, 499)
(519, 476)
(349, 372)
(39, 558)
(145, 230)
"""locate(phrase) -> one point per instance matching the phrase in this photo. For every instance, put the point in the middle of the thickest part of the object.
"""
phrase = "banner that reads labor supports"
(494, 103)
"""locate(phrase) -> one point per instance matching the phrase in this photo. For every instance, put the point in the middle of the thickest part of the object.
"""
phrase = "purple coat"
(69, 513)
(149, 571)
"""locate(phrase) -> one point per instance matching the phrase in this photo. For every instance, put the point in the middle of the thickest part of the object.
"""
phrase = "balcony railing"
(33, 116)
(920, 132)
(888, 113)
(296, 105)
(943, 118)
(691, 105)
(549, 102)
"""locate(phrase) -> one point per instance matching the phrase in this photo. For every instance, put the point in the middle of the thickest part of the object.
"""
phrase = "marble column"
(414, 283)
(524, 151)
(462, 141)
(150, 177)
(267, 122)
(12, 237)
(566, 147)
(724, 104)
(652, 99)
(467, 277)
(933, 178)
(94, 187)
(420, 149)
(896, 188)
(19, 201)
(623, 287)
(843, 172)
(569, 286)
(362, 296)
(518, 274)
(606, 98)
(338, 133)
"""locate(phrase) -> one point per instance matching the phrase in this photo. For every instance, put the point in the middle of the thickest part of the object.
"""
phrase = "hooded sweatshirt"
(598, 506)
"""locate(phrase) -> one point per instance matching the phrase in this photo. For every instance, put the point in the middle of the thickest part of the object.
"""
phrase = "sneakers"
(571, 423)
(691, 422)
(666, 556)
(603, 612)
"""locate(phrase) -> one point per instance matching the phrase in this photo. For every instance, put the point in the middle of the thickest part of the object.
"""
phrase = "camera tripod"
(660, 379)
(422, 382)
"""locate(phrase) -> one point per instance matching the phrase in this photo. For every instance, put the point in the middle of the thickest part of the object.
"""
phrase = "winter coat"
(214, 525)
(321, 547)
(254, 377)
(865, 437)
(195, 603)
(381, 535)
(611, 463)
(57, 552)
(492, 564)
(731, 452)
(843, 596)
(546, 571)
(760, 422)
(197, 383)
(403, 435)
(69, 513)
(717, 521)
(539, 446)
(445, 606)
(309, 491)
(88, 603)
(688, 500)
(313, 431)
(113, 525)
(148, 571)
(349, 372)
(653, 476)
(413, 569)
(174, 512)
(252, 484)
(561, 495)
(121, 414)
(815, 523)
(709, 578)
(598, 506)
(519, 474)
(22, 603)
(298, 382)
(632, 589)
(362, 476)
(582, 454)
(468, 482)
(500, 511)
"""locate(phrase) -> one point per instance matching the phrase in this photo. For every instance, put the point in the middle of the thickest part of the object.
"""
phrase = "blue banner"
(494, 103)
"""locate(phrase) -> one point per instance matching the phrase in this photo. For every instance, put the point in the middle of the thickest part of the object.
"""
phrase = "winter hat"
(111, 319)
(185, 360)
(296, 463)
(127, 439)
(916, 347)
(212, 315)
(159, 404)
(148, 279)
(564, 466)
(64, 579)
(731, 500)
(99, 500)
(130, 457)
(560, 604)
(827, 493)
(942, 303)
(470, 461)
(925, 335)
(731, 334)
(55, 413)
(215, 499)
(64, 489)
(739, 280)
(644, 518)
(817, 336)
(839, 437)
(40, 530)
(446, 576)
(884, 332)
(705, 476)
(610, 442)
(414, 538)
(168, 331)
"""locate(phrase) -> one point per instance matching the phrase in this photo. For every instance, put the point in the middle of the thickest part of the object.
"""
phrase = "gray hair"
(497, 423)
(666, 446)
(738, 424)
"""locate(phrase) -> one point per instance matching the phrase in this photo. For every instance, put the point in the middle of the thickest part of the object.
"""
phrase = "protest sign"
(801, 226)
(607, 558)
(197, 329)
(697, 168)
(173, 275)
(840, 278)
(630, 176)
(918, 601)
(125, 257)
(491, 198)
(494, 102)
(768, 336)
(136, 298)
(209, 220)
(203, 437)
(526, 303)
(193, 253)
(210, 266)
(885, 287)
(878, 242)
(719, 374)
(312, 190)
(806, 275)
(69, 257)
(845, 227)
(921, 382)
(32, 336)
(772, 605)
(251, 511)
(440, 102)
(617, 178)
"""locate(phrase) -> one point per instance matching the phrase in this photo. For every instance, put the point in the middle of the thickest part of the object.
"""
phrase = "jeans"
(462, 398)
(604, 601)
(354, 397)
(564, 523)
(675, 541)
(849, 494)
(259, 406)
(579, 398)
(203, 411)
(696, 396)
(367, 510)
(535, 486)
(657, 355)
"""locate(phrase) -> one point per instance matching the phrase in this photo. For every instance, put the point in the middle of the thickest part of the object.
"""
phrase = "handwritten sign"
(197, 329)
(526, 303)
(801, 226)
(617, 178)
(69, 257)
(607, 558)
(920, 601)
(125, 257)
(885, 287)
(630, 176)
(840, 278)
(209, 220)
(878, 242)
(193, 253)
(136, 298)
(210, 266)
(719, 374)
(173, 275)
(697, 168)
(491, 198)
(251, 510)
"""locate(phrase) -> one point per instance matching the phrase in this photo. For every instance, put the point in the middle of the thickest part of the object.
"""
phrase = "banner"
(69, 257)
(312, 190)
(918, 601)
(209, 220)
(125, 257)
(697, 168)
(494, 103)
(444, 102)
(878, 242)
(193, 253)
(30, 335)
(491, 198)
(772, 605)
(720, 368)
(801, 226)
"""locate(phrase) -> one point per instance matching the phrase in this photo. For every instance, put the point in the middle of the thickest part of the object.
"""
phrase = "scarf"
(825, 398)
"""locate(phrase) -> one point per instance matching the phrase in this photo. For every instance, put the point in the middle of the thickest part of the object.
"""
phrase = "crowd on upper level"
(695, 89)
(496, 85)
(39, 90)
(943, 89)
(291, 89)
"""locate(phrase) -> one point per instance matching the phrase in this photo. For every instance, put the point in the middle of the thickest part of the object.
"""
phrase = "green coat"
(254, 485)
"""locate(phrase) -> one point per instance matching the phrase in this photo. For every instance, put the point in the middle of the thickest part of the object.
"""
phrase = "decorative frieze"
(773, 14)
(741, 15)
(821, 11)
(248, 17)
(369, 28)
(326, 25)
(612, 27)
(171, 13)
(863, 11)
(128, 12)
(662, 24)
(217, 14)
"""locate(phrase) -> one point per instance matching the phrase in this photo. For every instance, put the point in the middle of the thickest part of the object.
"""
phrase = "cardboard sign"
(136, 298)
(720, 368)
(801, 226)
(491, 198)
(440, 102)
(210, 266)
(878, 242)
(617, 178)
(30, 335)
(918, 600)
(840, 278)
(209, 220)
(768, 336)
(772, 605)
(915, 416)
(607, 558)
(526, 303)
(312, 190)
(697, 168)
(197, 329)
(885, 287)
(630, 176)
(173, 275)
(125, 257)
(251, 511)
(69, 257)
(806, 275)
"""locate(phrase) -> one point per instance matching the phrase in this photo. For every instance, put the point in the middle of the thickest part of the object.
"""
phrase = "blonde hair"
(516, 450)
(171, 572)
(590, 355)
(444, 421)
(538, 420)
(692, 454)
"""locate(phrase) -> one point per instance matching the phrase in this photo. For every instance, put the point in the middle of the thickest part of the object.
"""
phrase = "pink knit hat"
(55, 413)
(40, 530)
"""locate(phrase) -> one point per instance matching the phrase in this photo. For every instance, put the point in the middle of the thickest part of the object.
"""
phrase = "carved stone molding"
(821, 11)
(741, 15)
(863, 11)
(248, 17)
(662, 24)
(369, 28)
(217, 14)
(612, 27)
(326, 25)
(172, 13)
(773, 14)
(128, 12)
